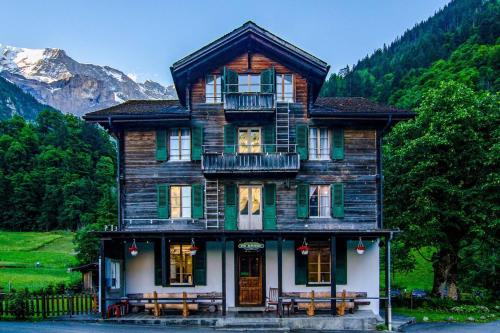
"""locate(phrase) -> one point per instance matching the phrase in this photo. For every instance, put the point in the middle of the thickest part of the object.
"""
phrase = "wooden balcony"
(272, 160)
(244, 104)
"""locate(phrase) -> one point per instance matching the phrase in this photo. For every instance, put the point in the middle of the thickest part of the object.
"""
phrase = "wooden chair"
(272, 300)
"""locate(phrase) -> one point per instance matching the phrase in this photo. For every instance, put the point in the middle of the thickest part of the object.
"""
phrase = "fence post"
(44, 309)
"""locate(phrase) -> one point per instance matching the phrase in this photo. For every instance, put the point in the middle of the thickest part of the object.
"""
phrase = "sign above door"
(250, 246)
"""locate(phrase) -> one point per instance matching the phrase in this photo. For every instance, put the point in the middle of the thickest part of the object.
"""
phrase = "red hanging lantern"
(360, 249)
(133, 249)
(193, 249)
(304, 248)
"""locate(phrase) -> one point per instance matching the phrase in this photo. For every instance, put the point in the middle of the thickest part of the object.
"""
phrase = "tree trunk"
(445, 265)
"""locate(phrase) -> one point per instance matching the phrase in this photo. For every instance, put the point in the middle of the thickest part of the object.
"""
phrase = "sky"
(144, 38)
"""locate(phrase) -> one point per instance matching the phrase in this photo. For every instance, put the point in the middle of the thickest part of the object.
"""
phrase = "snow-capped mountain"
(55, 79)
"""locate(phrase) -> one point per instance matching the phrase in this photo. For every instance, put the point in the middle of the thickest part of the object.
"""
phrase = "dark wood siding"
(357, 171)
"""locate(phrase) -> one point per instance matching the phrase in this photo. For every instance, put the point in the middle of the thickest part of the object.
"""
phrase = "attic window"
(248, 83)
(213, 89)
(284, 87)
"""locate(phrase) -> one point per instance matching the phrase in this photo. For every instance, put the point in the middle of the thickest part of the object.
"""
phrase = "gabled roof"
(141, 109)
(248, 37)
(355, 107)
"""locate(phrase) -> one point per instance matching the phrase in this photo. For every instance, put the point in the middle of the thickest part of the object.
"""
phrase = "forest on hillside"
(441, 169)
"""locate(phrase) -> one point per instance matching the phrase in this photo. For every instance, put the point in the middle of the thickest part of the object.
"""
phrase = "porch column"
(280, 275)
(102, 280)
(223, 276)
(163, 261)
(388, 307)
(333, 269)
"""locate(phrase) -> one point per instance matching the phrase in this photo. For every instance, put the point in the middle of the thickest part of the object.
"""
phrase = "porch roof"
(256, 234)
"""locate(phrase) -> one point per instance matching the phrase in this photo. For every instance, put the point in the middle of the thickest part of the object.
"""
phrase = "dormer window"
(213, 89)
(284, 88)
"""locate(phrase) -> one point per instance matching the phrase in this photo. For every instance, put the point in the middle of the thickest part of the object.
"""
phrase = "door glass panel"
(243, 200)
(255, 200)
(249, 140)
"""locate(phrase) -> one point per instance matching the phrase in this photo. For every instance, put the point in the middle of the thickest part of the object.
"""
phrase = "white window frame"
(319, 153)
(114, 274)
(176, 134)
(213, 93)
(251, 88)
(249, 147)
(185, 202)
(328, 207)
(281, 95)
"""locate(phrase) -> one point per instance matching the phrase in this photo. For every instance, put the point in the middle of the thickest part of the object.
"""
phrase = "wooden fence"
(45, 306)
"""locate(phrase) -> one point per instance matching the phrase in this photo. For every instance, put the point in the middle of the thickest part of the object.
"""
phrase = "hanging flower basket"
(133, 249)
(304, 249)
(193, 249)
(360, 249)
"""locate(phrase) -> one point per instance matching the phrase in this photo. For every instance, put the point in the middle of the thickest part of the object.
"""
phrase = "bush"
(470, 309)
(18, 304)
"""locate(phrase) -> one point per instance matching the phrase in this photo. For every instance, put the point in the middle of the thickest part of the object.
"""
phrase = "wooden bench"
(156, 303)
(348, 300)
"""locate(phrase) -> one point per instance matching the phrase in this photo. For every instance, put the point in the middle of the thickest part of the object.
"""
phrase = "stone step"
(253, 329)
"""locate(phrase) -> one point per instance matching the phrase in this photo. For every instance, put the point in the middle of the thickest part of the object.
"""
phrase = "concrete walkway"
(493, 327)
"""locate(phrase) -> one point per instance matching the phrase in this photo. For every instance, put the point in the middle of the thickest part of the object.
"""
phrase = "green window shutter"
(161, 145)
(269, 139)
(302, 201)
(341, 269)
(337, 193)
(200, 265)
(230, 207)
(162, 201)
(270, 206)
(196, 143)
(197, 204)
(157, 254)
(230, 79)
(300, 266)
(267, 81)
(229, 139)
(301, 132)
(337, 149)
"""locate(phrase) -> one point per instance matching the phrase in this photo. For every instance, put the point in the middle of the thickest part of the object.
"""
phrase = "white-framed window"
(248, 83)
(180, 144)
(318, 263)
(319, 148)
(180, 201)
(181, 264)
(213, 88)
(249, 140)
(284, 88)
(319, 200)
(114, 267)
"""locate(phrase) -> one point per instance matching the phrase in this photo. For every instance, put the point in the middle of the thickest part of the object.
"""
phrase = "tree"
(442, 181)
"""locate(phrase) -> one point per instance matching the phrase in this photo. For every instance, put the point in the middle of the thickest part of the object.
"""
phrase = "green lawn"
(440, 316)
(419, 278)
(19, 252)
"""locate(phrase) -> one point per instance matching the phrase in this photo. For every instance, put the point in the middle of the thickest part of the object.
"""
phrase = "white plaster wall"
(139, 272)
(362, 272)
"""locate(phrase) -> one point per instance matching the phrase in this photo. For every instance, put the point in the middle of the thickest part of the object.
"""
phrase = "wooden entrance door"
(250, 276)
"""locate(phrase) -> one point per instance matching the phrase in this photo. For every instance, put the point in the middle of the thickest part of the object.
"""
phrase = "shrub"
(18, 304)
(470, 309)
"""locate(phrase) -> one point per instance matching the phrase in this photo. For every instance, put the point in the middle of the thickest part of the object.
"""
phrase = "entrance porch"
(243, 270)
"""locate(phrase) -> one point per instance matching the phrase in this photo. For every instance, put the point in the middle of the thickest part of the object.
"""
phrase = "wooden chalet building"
(248, 165)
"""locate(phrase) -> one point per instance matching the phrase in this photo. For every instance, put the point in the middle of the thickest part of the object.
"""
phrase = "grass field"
(19, 252)
(419, 278)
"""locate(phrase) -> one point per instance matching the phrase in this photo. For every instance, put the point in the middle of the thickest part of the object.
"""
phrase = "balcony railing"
(248, 101)
(261, 159)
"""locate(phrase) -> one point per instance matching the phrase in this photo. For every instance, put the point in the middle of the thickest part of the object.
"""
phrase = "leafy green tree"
(442, 183)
